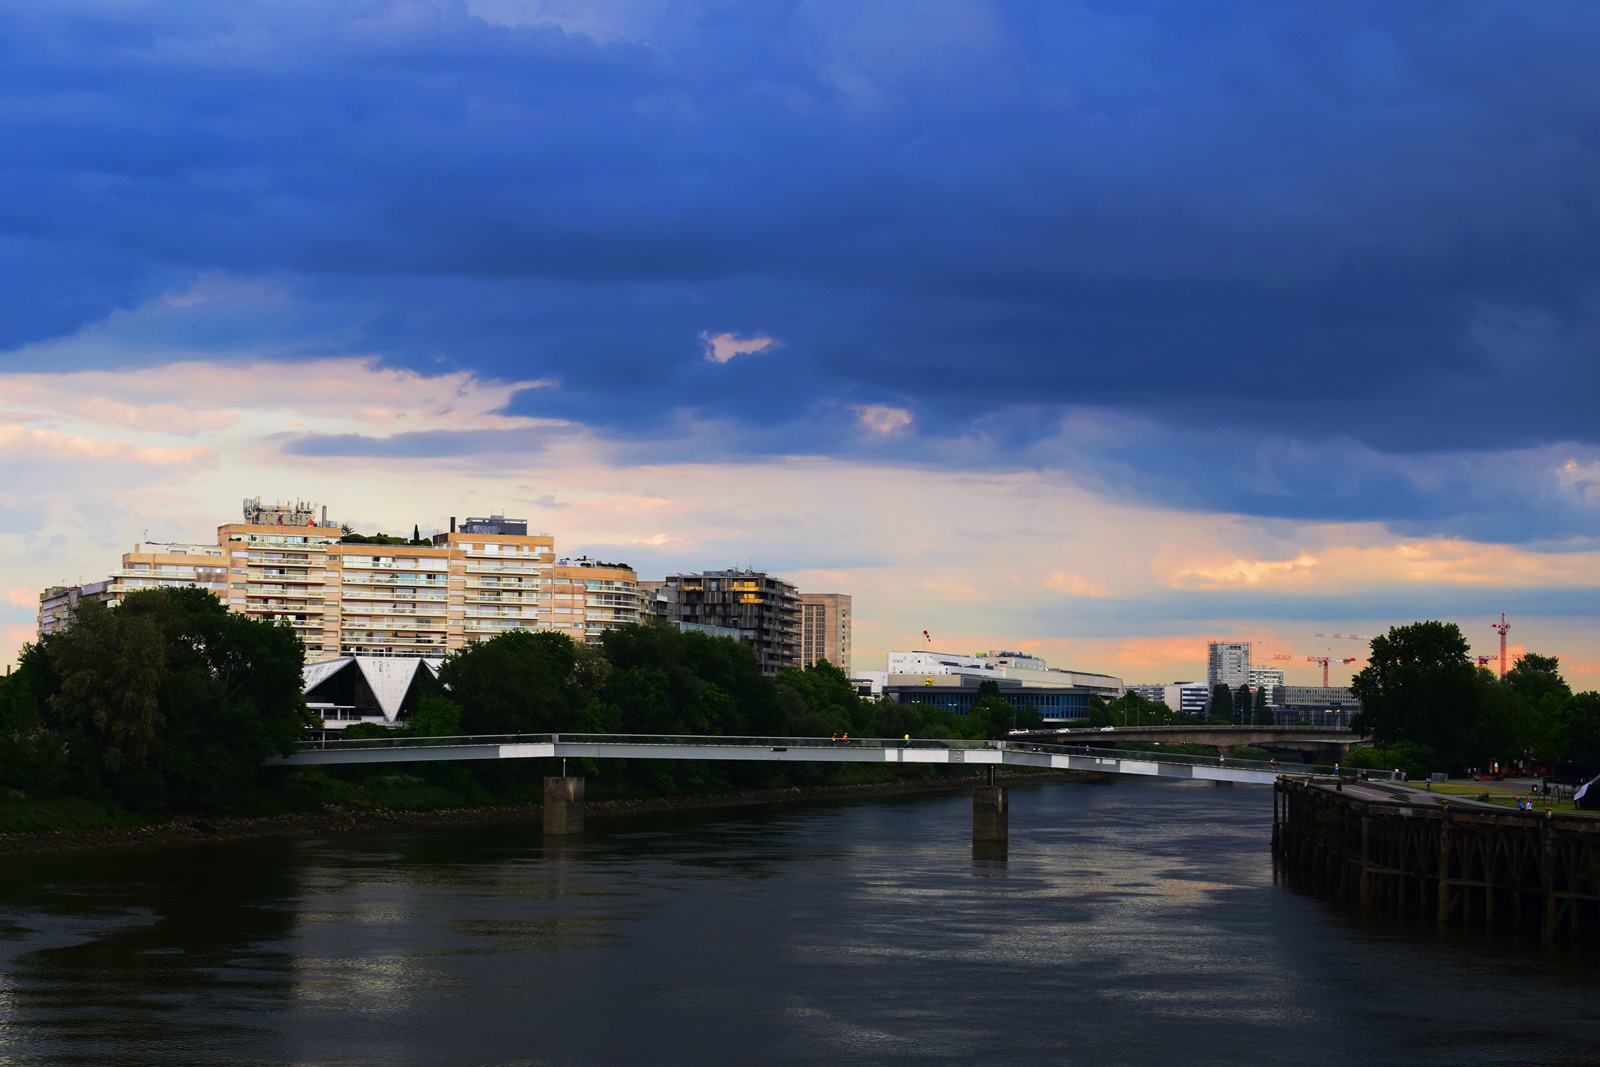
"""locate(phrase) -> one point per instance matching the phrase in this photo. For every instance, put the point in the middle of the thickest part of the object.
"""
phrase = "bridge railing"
(1270, 766)
(832, 743)
(339, 744)
(702, 740)
(1191, 728)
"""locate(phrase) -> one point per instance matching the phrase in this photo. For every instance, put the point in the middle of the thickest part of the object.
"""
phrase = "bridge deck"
(791, 749)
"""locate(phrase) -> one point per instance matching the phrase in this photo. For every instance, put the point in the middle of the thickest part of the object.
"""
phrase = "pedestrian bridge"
(564, 795)
(1012, 753)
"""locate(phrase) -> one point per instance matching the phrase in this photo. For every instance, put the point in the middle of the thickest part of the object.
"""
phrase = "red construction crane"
(1502, 626)
(1324, 660)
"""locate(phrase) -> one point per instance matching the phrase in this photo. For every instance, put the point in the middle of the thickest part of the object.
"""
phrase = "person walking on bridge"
(908, 741)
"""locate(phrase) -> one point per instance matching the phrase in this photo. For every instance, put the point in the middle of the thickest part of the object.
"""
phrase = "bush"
(1412, 760)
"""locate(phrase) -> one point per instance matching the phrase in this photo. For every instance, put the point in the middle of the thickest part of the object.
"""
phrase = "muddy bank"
(189, 830)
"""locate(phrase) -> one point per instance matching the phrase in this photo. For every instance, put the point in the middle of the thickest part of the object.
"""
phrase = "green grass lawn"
(1491, 794)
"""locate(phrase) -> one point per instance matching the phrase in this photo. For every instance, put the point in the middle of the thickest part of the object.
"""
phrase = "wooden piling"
(1477, 868)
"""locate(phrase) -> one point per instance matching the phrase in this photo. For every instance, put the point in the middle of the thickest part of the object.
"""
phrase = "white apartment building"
(359, 598)
(1268, 679)
(1228, 663)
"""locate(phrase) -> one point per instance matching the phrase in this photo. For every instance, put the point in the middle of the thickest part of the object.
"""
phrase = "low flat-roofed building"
(1314, 705)
(1029, 670)
(958, 692)
(1186, 698)
(951, 681)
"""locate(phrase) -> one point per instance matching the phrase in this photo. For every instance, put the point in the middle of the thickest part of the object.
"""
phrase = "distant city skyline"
(1139, 659)
(1091, 331)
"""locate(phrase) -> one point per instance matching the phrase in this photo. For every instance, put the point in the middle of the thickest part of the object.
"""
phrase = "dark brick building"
(765, 610)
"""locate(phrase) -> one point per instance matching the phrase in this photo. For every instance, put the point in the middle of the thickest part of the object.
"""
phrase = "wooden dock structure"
(1464, 865)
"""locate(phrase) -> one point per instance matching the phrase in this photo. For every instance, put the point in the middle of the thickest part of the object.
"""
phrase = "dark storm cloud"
(421, 443)
(1366, 234)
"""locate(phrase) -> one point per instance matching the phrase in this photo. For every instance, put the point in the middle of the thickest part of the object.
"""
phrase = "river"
(1132, 923)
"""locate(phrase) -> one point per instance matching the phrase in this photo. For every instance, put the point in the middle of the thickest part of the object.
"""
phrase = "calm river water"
(1134, 923)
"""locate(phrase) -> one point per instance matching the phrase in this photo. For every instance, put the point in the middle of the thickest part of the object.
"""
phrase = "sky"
(1090, 329)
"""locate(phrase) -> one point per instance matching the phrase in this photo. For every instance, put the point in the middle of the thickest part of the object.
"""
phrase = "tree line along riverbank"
(163, 707)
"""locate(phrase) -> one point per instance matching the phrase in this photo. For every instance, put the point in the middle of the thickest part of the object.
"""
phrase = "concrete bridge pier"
(563, 805)
(990, 822)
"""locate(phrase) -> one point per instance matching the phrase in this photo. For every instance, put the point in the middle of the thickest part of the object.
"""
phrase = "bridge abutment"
(563, 805)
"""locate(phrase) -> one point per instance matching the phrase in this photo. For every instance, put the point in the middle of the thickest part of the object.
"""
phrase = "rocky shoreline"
(192, 830)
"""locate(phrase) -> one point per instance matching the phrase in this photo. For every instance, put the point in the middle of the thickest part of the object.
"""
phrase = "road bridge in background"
(1222, 737)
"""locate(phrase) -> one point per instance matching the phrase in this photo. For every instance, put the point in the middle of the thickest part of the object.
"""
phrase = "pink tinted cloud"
(57, 444)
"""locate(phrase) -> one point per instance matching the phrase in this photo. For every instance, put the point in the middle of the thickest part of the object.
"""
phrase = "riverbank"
(333, 819)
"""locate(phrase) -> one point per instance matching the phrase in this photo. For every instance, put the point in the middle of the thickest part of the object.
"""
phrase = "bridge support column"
(990, 820)
(563, 805)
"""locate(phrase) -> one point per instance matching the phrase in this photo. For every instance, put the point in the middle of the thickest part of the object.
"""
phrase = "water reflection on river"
(1133, 923)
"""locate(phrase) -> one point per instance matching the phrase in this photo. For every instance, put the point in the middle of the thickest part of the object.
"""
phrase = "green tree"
(822, 697)
(1260, 713)
(1581, 719)
(990, 717)
(1221, 703)
(1029, 717)
(517, 682)
(1130, 709)
(1414, 760)
(1535, 677)
(169, 698)
(33, 760)
(1418, 686)
(436, 716)
(1243, 701)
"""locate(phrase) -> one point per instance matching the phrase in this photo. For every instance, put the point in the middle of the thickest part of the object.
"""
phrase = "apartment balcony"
(299, 592)
(394, 622)
(485, 626)
(393, 593)
(479, 566)
(415, 581)
(376, 609)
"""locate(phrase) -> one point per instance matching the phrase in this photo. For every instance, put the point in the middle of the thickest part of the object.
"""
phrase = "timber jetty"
(1460, 864)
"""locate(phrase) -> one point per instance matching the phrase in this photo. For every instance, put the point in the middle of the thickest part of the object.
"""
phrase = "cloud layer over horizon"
(1313, 292)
